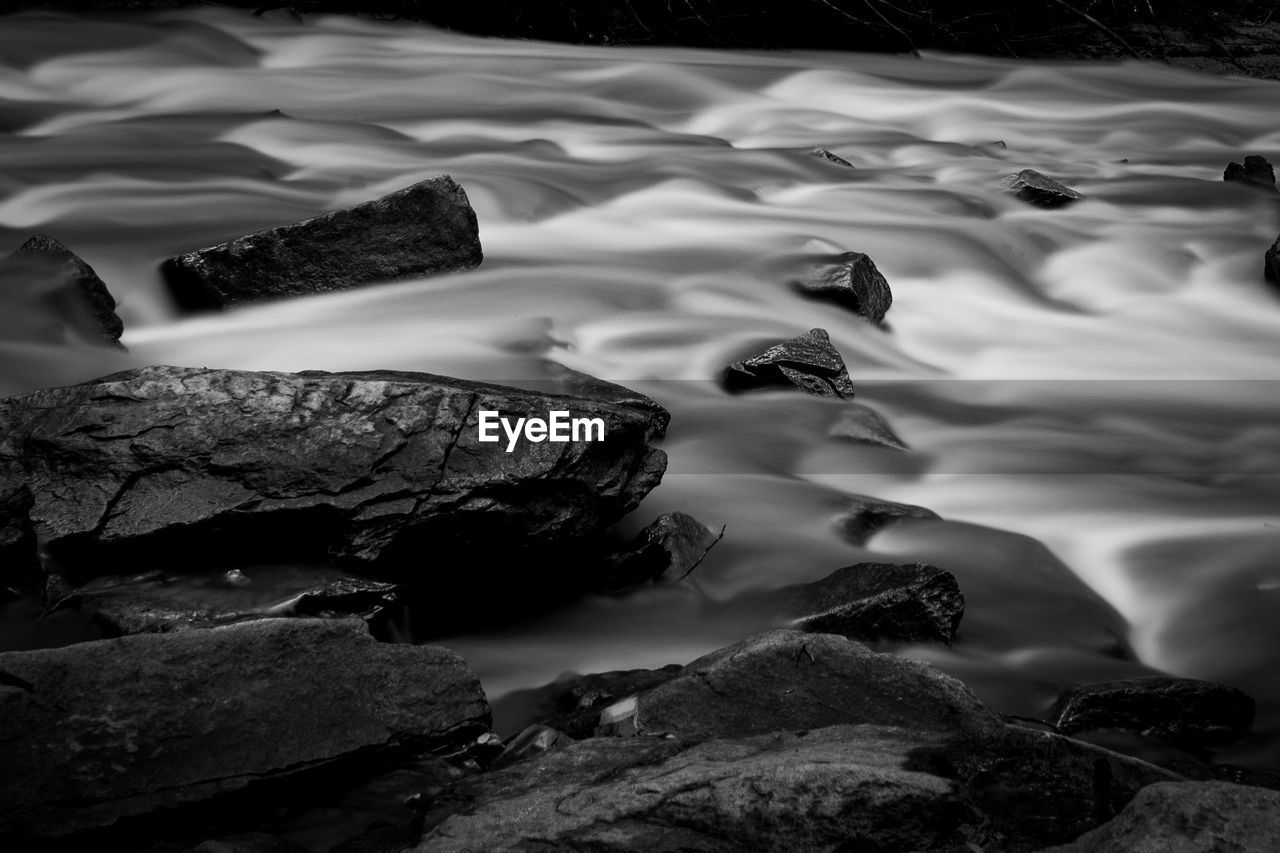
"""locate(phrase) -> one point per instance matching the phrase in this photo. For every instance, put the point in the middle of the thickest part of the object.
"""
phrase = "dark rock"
(384, 469)
(426, 229)
(830, 157)
(156, 602)
(133, 726)
(1271, 263)
(533, 740)
(46, 273)
(249, 842)
(20, 572)
(572, 703)
(1180, 709)
(914, 603)
(674, 542)
(1255, 171)
(864, 425)
(808, 362)
(788, 679)
(867, 516)
(1040, 190)
(850, 280)
(1188, 817)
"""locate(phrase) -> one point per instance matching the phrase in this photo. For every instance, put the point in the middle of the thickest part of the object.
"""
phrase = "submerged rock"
(1179, 709)
(1255, 171)
(426, 229)
(1271, 263)
(112, 729)
(866, 516)
(1188, 817)
(47, 274)
(808, 362)
(850, 280)
(864, 425)
(674, 542)
(830, 157)
(1042, 191)
(913, 603)
(384, 470)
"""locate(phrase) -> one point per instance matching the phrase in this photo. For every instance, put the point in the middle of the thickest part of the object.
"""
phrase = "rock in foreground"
(1040, 190)
(913, 603)
(385, 470)
(1189, 817)
(46, 272)
(1179, 709)
(100, 731)
(850, 280)
(426, 229)
(808, 362)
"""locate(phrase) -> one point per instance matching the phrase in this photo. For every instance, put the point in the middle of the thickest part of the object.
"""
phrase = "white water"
(640, 210)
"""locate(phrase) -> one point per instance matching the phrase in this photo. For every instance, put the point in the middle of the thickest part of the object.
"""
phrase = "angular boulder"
(1255, 172)
(914, 603)
(1185, 710)
(850, 280)
(1040, 190)
(674, 542)
(866, 516)
(864, 425)
(789, 679)
(98, 732)
(49, 275)
(808, 362)
(426, 229)
(1188, 817)
(383, 470)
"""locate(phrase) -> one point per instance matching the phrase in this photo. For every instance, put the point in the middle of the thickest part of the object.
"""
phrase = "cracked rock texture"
(383, 470)
(100, 731)
(1189, 817)
(426, 229)
(915, 603)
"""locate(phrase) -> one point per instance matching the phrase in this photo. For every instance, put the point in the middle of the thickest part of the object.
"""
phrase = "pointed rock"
(850, 280)
(674, 542)
(830, 157)
(864, 425)
(426, 229)
(1040, 190)
(50, 274)
(866, 516)
(808, 362)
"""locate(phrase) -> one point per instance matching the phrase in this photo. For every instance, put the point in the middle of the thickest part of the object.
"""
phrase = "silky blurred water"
(1088, 392)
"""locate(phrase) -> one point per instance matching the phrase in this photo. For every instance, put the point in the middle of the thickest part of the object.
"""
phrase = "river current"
(1088, 393)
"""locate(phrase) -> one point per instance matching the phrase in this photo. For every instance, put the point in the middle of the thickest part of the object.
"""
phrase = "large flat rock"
(384, 470)
(426, 229)
(97, 732)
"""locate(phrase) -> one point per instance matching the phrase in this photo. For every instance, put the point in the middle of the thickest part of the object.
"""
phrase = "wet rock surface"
(1188, 817)
(809, 362)
(1255, 172)
(380, 469)
(914, 603)
(674, 543)
(66, 291)
(830, 157)
(572, 704)
(1040, 190)
(864, 425)
(850, 280)
(99, 732)
(426, 229)
(1179, 709)
(865, 516)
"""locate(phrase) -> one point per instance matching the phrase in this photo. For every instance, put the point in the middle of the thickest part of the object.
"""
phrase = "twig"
(1112, 34)
(705, 552)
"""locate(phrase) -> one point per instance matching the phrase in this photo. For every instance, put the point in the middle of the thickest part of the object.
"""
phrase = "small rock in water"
(914, 603)
(235, 577)
(1188, 817)
(47, 273)
(808, 362)
(1271, 263)
(1255, 172)
(1183, 710)
(866, 516)
(426, 229)
(850, 280)
(833, 158)
(674, 543)
(864, 425)
(1040, 190)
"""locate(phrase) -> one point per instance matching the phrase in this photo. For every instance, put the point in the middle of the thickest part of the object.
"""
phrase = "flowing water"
(1087, 392)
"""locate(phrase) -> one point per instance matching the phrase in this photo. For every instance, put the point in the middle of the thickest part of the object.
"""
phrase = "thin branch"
(705, 552)
(1110, 33)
